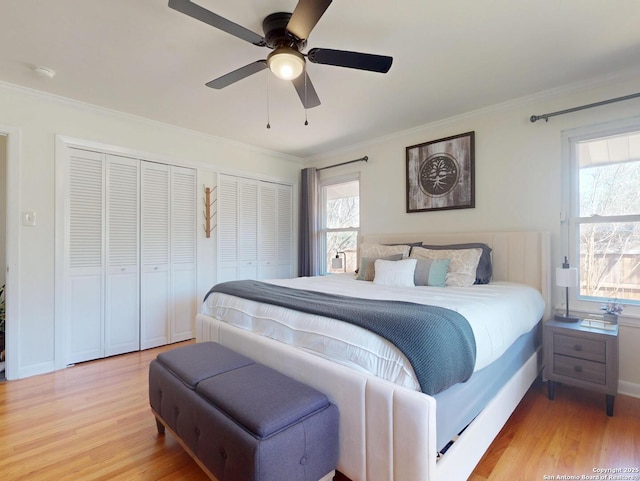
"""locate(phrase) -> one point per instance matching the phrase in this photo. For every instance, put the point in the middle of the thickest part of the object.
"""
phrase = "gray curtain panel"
(308, 256)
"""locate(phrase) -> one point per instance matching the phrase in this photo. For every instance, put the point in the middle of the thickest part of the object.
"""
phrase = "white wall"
(39, 119)
(517, 176)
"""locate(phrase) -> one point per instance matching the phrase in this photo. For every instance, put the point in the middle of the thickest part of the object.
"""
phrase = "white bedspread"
(498, 313)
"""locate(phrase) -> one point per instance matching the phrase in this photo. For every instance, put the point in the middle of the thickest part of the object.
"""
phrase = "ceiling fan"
(286, 34)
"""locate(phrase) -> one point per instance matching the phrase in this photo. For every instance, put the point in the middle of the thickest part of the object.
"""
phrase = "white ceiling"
(450, 57)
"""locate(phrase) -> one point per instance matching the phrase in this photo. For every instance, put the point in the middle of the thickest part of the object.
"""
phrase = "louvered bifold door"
(227, 204)
(267, 232)
(248, 229)
(155, 275)
(122, 289)
(84, 303)
(183, 253)
(284, 230)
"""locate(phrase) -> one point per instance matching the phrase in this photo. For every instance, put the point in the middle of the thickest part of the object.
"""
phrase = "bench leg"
(160, 427)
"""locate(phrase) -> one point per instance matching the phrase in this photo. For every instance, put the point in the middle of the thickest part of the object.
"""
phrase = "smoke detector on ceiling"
(44, 72)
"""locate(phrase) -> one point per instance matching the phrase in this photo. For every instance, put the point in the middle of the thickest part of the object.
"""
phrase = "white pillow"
(395, 273)
(462, 269)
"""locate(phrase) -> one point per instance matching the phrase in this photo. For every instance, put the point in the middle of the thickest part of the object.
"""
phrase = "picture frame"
(440, 174)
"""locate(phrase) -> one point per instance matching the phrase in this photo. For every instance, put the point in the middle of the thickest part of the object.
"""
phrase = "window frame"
(322, 209)
(570, 219)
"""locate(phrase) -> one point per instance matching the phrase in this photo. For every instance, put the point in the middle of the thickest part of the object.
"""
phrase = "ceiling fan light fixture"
(286, 63)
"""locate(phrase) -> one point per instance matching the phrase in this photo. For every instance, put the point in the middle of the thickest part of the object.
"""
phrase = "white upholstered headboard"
(516, 256)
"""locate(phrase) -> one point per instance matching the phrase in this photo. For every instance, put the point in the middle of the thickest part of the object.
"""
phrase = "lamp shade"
(336, 263)
(567, 277)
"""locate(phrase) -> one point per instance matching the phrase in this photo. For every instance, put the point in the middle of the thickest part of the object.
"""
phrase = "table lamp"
(336, 262)
(566, 277)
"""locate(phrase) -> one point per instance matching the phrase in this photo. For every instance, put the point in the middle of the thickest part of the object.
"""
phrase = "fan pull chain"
(306, 122)
(268, 123)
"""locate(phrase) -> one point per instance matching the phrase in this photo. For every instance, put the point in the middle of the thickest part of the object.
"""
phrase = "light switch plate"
(29, 218)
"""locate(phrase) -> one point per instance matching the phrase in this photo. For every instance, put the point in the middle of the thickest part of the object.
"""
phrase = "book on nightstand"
(598, 324)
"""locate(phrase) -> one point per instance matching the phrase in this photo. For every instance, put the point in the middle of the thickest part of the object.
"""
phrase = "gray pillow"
(484, 271)
(410, 244)
(367, 269)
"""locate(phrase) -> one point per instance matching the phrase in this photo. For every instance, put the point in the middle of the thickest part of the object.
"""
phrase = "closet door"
(276, 233)
(248, 229)
(284, 232)
(155, 276)
(227, 204)
(268, 230)
(122, 306)
(183, 254)
(84, 301)
(130, 268)
(255, 236)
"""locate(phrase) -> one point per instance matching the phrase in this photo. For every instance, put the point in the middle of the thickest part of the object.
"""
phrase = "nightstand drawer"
(578, 347)
(582, 369)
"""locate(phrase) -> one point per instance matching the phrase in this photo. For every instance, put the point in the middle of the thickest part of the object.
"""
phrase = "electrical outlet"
(29, 218)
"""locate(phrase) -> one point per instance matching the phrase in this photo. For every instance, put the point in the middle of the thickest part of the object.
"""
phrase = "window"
(340, 223)
(604, 214)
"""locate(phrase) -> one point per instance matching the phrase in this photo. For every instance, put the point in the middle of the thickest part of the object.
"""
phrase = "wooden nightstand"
(581, 356)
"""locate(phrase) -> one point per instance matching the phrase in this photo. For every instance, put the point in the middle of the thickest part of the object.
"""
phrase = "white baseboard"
(36, 369)
(629, 388)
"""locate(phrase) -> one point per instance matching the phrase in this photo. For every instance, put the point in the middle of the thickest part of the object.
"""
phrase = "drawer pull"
(577, 368)
(577, 347)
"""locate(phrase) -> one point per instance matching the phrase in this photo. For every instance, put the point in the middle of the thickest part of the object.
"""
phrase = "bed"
(389, 429)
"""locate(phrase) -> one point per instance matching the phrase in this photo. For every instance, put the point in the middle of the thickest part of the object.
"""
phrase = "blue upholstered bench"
(243, 421)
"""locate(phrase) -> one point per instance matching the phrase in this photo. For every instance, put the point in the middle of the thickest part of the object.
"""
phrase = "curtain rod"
(533, 118)
(363, 159)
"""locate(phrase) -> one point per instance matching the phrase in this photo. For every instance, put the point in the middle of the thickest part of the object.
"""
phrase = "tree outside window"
(341, 218)
(608, 217)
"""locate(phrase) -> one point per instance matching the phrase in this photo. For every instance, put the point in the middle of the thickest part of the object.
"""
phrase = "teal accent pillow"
(431, 272)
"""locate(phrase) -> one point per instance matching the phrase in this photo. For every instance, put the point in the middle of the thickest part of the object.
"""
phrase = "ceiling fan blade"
(305, 90)
(306, 16)
(200, 13)
(343, 58)
(236, 75)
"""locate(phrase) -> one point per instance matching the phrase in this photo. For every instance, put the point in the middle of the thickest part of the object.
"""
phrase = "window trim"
(322, 228)
(569, 214)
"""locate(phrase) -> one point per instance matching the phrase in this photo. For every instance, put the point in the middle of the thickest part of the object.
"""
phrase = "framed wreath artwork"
(440, 174)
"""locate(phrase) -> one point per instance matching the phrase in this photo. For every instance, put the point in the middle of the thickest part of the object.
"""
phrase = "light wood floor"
(570, 435)
(92, 422)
